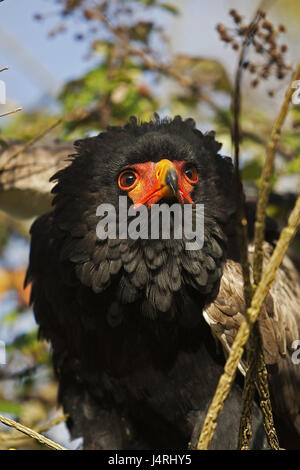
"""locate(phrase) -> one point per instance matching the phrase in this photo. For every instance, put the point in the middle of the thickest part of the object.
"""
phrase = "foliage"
(135, 74)
(107, 94)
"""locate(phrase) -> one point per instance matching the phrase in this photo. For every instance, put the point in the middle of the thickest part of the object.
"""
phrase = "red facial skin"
(150, 186)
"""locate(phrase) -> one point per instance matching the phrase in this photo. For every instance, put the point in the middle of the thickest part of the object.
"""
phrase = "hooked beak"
(167, 178)
(171, 180)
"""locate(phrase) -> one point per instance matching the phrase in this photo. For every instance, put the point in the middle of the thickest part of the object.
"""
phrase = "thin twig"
(236, 138)
(11, 112)
(17, 439)
(31, 433)
(245, 432)
(255, 355)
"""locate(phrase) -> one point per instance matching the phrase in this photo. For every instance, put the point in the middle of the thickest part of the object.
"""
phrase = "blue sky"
(37, 64)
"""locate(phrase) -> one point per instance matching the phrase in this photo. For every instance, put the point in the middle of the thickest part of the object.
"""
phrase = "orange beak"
(167, 178)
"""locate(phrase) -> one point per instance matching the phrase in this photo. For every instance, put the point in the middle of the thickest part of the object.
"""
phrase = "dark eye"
(127, 179)
(191, 173)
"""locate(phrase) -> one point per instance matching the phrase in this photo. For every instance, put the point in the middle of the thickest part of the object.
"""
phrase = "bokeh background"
(76, 66)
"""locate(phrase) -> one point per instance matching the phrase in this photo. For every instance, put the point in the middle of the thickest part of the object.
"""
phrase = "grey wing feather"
(279, 324)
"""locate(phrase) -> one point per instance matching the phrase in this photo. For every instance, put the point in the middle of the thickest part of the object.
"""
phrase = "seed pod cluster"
(263, 38)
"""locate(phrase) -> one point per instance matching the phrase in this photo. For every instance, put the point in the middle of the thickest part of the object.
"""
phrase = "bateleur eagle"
(138, 326)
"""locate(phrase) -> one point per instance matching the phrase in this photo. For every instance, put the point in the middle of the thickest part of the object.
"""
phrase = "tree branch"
(33, 434)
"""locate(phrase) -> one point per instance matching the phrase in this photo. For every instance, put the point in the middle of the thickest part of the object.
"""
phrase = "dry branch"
(11, 112)
(243, 334)
(31, 433)
(254, 349)
(18, 440)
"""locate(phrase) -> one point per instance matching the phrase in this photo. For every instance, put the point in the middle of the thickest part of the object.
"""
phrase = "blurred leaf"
(290, 8)
(251, 171)
(170, 8)
(292, 140)
(108, 94)
(27, 125)
(18, 277)
(148, 2)
(26, 340)
(293, 166)
(3, 143)
(204, 72)
(4, 236)
(141, 30)
(10, 408)
(11, 317)
(102, 47)
(5, 281)
(14, 279)
(33, 412)
(273, 211)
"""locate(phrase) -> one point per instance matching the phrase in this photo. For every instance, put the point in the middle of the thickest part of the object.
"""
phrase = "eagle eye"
(127, 179)
(190, 172)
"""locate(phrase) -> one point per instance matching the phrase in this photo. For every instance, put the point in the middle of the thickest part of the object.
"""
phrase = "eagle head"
(154, 163)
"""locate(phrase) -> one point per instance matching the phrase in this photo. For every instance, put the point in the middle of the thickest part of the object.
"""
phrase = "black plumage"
(135, 359)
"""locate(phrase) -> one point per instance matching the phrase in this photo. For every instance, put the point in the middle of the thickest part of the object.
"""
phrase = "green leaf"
(140, 31)
(252, 170)
(149, 2)
(293, 166)
(204, 71)
(25, 340)
(171, 8)
(11, 317)
(10, 408)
